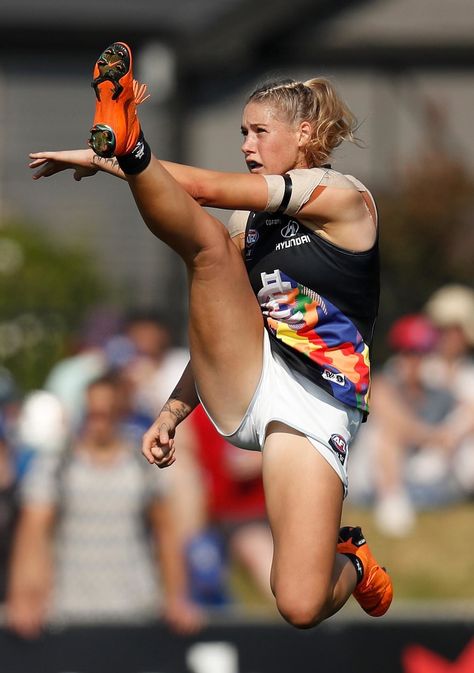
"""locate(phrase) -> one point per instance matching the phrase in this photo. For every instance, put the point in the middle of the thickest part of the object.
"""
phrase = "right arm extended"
(209, 188)
(158, 441)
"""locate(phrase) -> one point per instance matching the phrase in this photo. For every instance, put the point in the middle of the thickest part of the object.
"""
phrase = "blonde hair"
(315, 101)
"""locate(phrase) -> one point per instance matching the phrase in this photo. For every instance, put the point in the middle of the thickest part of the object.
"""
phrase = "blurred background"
(93, 337)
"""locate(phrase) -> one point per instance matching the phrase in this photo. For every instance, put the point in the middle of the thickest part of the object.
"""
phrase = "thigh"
(226, 325)
(304, 498)
(225, 330)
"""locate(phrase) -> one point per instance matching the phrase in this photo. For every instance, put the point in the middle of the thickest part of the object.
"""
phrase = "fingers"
(164, 456)
(37, 162)
(46, 169)
(158, 446)
(40, 155)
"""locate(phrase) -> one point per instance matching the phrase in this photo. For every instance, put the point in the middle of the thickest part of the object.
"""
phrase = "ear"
(304, 134)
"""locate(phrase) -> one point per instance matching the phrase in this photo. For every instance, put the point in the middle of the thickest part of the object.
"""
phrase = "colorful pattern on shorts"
(308, 323)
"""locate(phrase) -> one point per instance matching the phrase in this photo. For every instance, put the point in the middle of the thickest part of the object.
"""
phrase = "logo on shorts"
(334, 377)
(339, 446)
(291, 229)
(252, 236)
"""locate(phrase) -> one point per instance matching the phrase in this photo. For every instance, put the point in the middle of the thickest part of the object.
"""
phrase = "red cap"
(413, 333)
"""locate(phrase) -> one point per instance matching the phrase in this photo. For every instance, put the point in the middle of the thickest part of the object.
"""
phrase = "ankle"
(138, 159)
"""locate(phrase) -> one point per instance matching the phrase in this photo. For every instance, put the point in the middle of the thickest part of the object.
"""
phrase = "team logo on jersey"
(339, 446)
(252, 237)
(291, 229)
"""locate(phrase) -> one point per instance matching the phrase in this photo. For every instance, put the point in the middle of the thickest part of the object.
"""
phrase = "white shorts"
(287, 396)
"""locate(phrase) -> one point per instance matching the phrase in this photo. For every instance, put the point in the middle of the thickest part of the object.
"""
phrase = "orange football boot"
(374, 592)
(116, 126)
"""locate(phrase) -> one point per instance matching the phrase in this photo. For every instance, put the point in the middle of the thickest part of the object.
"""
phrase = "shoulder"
(237, 222)
(309, 183)
(326, 177)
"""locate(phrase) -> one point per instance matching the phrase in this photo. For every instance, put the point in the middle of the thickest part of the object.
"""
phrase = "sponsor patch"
(299, 240)
(252, 237)
(339, 446)
(334, 377)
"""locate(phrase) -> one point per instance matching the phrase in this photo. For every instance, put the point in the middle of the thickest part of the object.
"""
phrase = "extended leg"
(224, 314)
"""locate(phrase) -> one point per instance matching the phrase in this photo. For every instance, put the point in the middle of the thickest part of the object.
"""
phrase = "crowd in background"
(89, 531)
(417, 450)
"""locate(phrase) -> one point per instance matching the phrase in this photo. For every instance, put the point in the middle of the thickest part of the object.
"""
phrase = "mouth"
(253, 166)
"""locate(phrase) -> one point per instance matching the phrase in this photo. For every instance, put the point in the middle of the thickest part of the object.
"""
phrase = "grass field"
(435, 562)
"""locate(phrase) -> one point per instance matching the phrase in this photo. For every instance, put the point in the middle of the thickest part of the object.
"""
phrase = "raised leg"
(226, 326)
(225, 322)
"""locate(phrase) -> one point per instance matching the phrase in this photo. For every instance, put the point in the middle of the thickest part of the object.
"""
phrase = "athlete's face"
(272, 146)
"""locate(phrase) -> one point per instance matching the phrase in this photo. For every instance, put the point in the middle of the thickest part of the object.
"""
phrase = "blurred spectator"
(237, 530)
(69, 378)
(41, 426)
(8, 505)
(158, 363)
(403, 448)
(451, 366)
(11, 471)
(91, 522)
(152, 373)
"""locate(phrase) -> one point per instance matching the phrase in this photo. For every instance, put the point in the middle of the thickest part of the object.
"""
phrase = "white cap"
(453, 305)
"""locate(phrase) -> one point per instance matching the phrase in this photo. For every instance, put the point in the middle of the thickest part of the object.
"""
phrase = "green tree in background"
(45, 289)
(427, 231)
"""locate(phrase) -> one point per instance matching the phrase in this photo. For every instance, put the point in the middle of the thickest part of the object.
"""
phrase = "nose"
(246, 145)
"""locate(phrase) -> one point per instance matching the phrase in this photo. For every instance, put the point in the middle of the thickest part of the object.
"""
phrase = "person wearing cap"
(406, 439)
(451, 366)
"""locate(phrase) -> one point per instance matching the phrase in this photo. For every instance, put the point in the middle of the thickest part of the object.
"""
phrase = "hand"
(183, 616)
(50, 163)
(158, 441)
(26, 615)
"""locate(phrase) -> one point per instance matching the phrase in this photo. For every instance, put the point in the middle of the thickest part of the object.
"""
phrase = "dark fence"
(382, 646)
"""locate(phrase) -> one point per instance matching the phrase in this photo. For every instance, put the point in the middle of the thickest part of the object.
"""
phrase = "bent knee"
(303, 611)
(214, 249)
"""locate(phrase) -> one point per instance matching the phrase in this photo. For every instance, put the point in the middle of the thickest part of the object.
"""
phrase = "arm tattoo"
(179, 410)
(110, 162)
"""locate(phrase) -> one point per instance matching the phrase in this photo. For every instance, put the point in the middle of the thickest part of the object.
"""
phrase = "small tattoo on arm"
(110, 162)
(179, 409)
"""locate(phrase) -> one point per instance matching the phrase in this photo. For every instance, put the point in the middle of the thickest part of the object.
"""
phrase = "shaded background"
(406, 68)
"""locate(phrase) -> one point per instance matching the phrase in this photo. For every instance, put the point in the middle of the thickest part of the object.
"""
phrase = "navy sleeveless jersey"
(319, 303)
